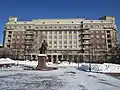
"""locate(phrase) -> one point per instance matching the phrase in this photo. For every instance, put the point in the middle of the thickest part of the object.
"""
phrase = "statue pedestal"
(42, 58)
(41, 61)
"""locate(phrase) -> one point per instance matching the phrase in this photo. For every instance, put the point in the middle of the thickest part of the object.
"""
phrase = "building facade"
(75, 40)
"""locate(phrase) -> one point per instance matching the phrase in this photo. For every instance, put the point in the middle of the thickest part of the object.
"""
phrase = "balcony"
(86, 33)
(86, 43)
(86, 38)
(29, 34)
(111, 27)
(29, 39)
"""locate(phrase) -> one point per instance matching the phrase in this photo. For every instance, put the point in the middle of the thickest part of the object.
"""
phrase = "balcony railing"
(86, 33)
(86, 38)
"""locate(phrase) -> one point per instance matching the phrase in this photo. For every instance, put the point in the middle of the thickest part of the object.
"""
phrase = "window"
(109, 41)
(60, 32)
(97, 36)
(91, 26)
(110, 46)
(45, 27)
(65, 46)
(24, 27)
(50, 42)
(65, 37)
(98, 46)
(97, 31)
(55, 46)
(57, 22)
(102, 31)
(55, 42)
(45, 37)
(50, 37)
(69, 26)
(86, 26)
(50, 46)
(75, 32)
(60, 27)
(75, 27)
(36, 27)
(97, 26)
(51, 27)
(10, 32)
(55, 32)
(60, 37)
(102, 26)
(92, 31)
(108, 36)
(9, 36)
(43, 22)
(9, 41)
(60, 46)
(65, 32)
(103, 36)
(75, 42)
(70, 37)
(45, 32)
(60, 42)
(98, 41)
(75, 46)
(108, 31)
(92, 35)
(71, 22)
(65, 42)
(8, 46)
(50, 32)
(29, 26)
(64, 26)
(75, 36)
(70, 32)
(70, 46)
(55, 37)
(70, 42)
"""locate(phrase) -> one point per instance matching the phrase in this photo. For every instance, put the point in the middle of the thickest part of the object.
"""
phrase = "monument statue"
(43, 47)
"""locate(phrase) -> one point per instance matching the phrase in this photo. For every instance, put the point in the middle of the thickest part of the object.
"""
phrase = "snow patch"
(106, 67)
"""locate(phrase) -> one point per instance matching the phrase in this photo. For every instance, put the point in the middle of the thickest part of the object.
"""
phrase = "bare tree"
(17, 45)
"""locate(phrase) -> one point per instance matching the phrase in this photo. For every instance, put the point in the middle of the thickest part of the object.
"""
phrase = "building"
(75, 39)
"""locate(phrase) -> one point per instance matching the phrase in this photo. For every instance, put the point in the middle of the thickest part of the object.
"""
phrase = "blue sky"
(28, 9)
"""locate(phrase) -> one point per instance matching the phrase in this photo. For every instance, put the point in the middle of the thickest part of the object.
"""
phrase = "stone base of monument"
(42, 58)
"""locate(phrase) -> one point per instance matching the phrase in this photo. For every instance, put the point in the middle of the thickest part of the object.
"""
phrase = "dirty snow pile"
(105, 68)
(49, 64)
(6, 61)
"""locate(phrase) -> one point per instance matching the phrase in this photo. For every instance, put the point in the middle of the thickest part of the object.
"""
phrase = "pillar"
(51, 58)
(72, 58)
(56, 58)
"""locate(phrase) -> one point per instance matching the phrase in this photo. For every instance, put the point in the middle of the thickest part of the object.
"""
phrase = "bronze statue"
(43, 47)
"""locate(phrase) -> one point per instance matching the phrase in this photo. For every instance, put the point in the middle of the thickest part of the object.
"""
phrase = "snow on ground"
(105, 68)
(49, 64)
(6, 61)
(65, 78)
